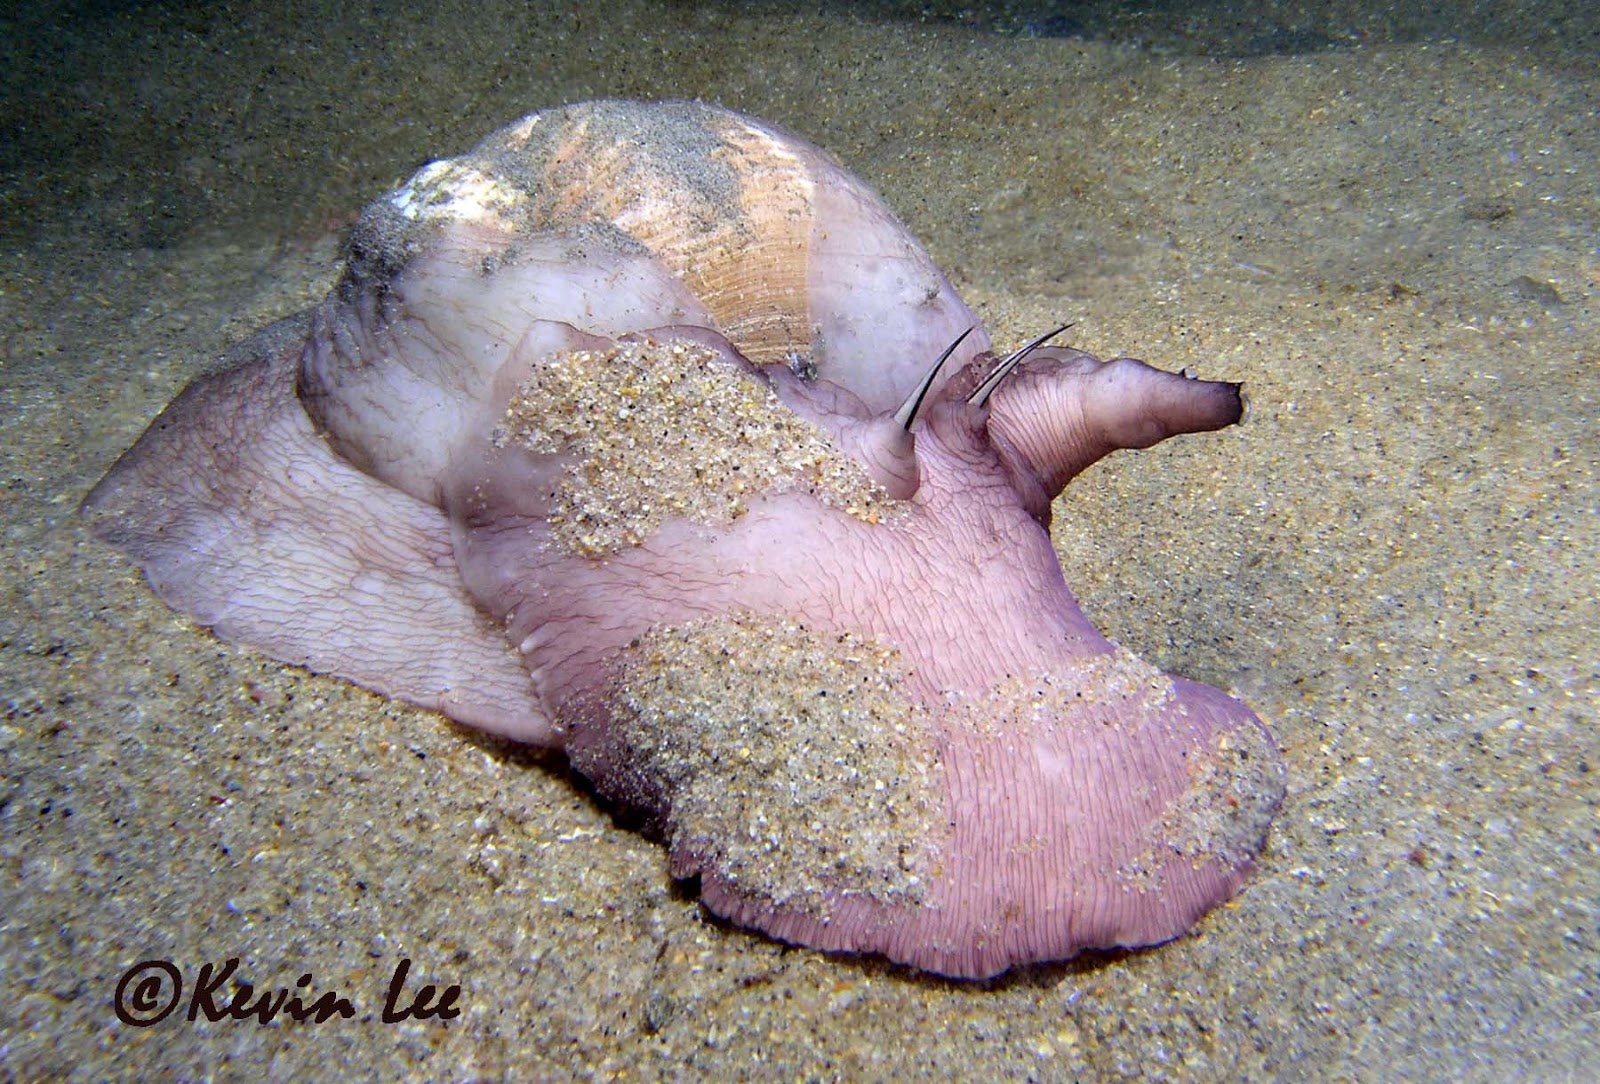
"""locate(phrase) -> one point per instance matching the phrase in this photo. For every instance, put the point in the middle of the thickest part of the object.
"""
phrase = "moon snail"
(621, 434)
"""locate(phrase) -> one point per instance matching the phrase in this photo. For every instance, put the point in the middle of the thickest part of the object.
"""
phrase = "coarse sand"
(1386, 222)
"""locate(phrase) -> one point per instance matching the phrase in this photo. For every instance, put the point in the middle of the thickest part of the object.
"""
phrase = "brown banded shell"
(797, 261)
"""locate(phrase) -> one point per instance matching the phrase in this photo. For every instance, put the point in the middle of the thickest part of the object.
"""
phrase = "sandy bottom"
(1390, 236)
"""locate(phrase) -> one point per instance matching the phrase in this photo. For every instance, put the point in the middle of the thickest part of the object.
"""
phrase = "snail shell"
(612, 217)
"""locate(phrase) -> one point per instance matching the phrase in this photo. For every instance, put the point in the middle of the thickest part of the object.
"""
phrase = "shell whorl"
(723, 203)
(796, 260)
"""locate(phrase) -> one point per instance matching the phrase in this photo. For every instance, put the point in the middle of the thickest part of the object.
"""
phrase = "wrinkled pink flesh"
(311, 502)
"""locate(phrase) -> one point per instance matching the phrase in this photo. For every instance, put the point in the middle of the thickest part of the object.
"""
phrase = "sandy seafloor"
(1386, 222)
